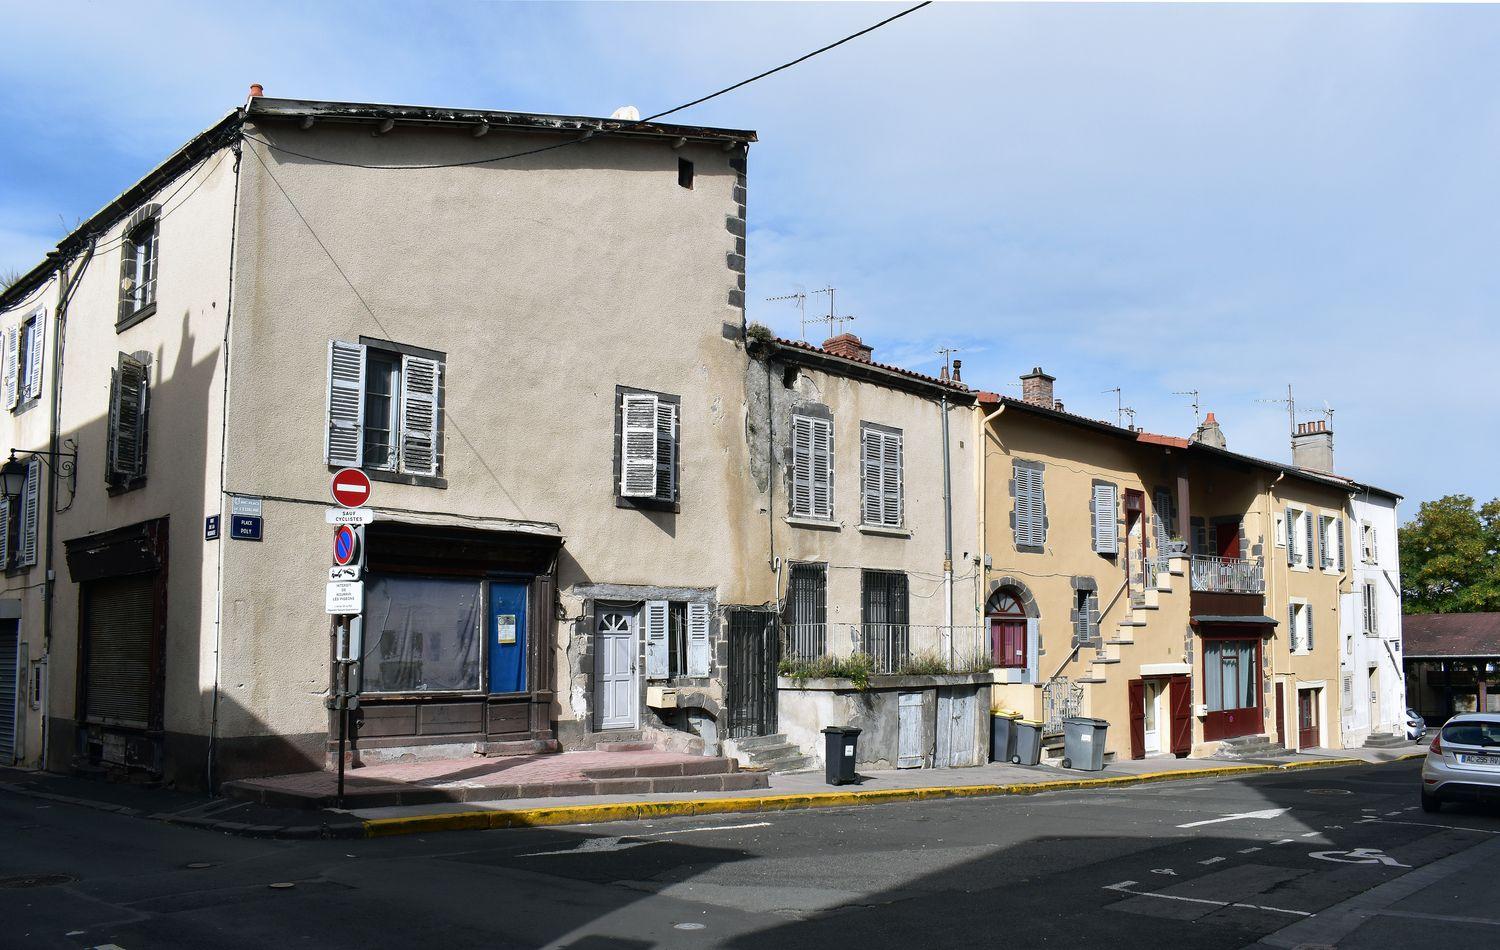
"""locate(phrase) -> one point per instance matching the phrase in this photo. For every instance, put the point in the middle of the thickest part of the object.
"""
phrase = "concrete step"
(1120, 642)
(1386, 740)
(637, 745)
(708, 765)
(1091, 679)
(753, 743)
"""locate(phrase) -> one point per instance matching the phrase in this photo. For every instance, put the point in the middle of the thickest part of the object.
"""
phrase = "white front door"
(615, 649)
(1152, 703)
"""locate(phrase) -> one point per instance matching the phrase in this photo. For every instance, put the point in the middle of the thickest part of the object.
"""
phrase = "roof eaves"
(835, 362)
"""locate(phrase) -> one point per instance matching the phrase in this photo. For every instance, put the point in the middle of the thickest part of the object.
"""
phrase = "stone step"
(635, 745)
(1091, 679)
(1106, 659)
(770, 759)
(708, 765)
(1119, 642)
(751, 743)
(1385, 740)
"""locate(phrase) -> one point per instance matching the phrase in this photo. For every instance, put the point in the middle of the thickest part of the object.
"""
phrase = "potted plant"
(1175, 546)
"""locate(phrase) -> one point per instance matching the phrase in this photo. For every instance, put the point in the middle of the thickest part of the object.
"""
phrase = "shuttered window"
(384, 409)
(1163, 517)
(1300, 627)
(1104, 513)
(129, 402)
(12, 367)
(1338, 533)
(5, 525)
(1030, 517)
(648, 437)
(118, 629)
(677, 639)
(30, 515)
(24, 347)
(880, 476)
(812, 468)
(1371, 611)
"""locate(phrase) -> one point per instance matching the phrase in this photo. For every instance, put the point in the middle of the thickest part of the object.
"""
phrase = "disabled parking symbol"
(1358, 856)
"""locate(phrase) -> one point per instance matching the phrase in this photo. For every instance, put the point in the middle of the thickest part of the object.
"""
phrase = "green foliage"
(1449, 561)
(856, 668)
(923, 664)
(758, 335)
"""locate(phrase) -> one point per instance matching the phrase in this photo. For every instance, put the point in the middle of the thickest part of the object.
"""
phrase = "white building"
(1372, 686)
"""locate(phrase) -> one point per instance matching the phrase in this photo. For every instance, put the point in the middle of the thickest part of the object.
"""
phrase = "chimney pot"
(256, 89)
(1209, 433)
(1312, 446)
(958, 366)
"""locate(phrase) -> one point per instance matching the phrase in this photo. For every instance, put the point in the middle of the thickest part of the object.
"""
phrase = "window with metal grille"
(885, 612)
(807, 610)
(1085, 614)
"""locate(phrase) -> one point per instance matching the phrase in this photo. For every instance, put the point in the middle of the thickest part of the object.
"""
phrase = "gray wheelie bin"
(1003, 734)
(1083, 743)
(1028, 750)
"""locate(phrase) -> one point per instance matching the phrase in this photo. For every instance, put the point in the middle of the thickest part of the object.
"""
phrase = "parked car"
(1463, 762)
(1416, 726)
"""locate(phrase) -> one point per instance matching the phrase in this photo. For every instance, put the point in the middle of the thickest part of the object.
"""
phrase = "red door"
(1137, 719)
(1281, 735)
(1307, 719)
(1008, 642)
(1227, 538)
(1180, 698)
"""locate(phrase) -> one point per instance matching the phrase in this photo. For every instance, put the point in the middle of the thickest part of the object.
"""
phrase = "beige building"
(1184, 593)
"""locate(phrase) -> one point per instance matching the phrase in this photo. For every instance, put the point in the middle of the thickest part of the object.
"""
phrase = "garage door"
(118, 628)
(10, 688)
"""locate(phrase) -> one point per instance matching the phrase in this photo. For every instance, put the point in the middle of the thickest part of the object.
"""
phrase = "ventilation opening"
(684, 173)
(789, 377)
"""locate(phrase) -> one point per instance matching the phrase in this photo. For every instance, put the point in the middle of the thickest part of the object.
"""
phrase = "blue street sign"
(244, 527)
(211, 528)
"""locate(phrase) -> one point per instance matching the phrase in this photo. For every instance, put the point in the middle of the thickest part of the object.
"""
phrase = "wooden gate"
(753, 644)
(956, 729)
(911, 751)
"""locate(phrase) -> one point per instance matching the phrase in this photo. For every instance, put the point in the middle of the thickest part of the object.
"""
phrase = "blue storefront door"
(508, 636)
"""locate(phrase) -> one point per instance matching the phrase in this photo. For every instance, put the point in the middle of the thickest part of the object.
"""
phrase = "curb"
(633, 811)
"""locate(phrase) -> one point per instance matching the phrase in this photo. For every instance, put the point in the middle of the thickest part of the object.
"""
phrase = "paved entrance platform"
(478, 779)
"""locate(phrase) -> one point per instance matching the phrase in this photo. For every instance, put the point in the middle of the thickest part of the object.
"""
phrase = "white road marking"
(1311, 834)
(1396, 812)
(1284, 841)
(626, 842)
(1164, 871)
(1267, 813)
(1211, 861)
(1248, 850)
(1358, 856)
(689, 831)
(1124, 888)
(1425, 824)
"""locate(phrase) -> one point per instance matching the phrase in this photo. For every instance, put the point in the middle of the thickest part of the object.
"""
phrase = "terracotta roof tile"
(804, 345)
(1475, 634)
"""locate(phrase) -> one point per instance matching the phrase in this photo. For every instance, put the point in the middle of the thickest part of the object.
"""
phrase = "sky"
(1159, 198)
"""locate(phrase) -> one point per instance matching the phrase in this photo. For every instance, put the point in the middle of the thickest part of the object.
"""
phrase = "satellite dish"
(627, 113)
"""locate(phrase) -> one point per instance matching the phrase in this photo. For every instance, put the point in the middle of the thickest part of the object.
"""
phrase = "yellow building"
(1186, 594)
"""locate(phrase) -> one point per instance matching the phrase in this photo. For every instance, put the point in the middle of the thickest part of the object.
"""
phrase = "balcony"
(1228, 575)
(893, 647)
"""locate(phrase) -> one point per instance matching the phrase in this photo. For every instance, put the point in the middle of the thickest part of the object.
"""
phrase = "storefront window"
(421, 634)
(1229, 675)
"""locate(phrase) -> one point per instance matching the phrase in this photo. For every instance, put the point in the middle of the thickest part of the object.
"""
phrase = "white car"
(1463, 762)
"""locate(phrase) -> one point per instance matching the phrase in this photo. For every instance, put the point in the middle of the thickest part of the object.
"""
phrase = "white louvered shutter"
(802, 466)
(35, 356)
(421, 382)
(12, 335)
(822, 469)
(656, 639)
(1161, 502)
(698, 653)
(1106, 539)
(638, 445)
(1374, 546)
(666, 450)
(1291, 627)
(31, 498)
(871, 445)
(891, 487)
(344, 443)
(4, 532)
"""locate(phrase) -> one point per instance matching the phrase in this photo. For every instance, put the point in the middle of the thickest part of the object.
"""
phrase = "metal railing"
(804, 641)
(1061, 698)
(895, 647)
(1238, 575)
(1151, 569)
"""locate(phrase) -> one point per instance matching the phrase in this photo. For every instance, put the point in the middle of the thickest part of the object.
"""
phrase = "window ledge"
(397, 478)
(129, 321)
(885, 530)
(813, 523)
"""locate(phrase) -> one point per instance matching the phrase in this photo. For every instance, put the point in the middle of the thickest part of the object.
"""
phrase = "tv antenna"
(946, 352)
(834, 321)
(1121, 409)
(801, 299)
(1291, 408)
(1197, 420)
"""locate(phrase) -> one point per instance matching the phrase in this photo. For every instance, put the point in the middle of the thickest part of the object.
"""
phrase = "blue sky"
(1161, 198)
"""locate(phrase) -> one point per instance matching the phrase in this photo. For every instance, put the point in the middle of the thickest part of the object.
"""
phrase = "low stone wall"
(805, 708)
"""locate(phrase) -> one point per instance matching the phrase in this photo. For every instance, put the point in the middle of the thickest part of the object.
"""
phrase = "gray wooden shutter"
(1033, 647)
(1160, 500)
(1291, 626)
(34, 358)
(1291, 538)
(1308, 611)
(127, 422)
(656, 639)
(1106, 538)
(421, 381)
(4, 532)
(666, 450)
(822, 467)
(1031, 529)
(12, 341)
(1374, 546)
(1308, 520)
(1362, 595)
(698, 654)
(1338, 529)
(638, 445)
(30, 505)
(892, 494)
(345, 442)
(871, 445)
(802, 467)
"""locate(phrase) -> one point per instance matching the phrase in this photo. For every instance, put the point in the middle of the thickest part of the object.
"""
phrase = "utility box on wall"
(661, 697)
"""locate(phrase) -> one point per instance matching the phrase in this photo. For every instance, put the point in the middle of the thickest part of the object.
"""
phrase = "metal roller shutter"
(10, 682)
(117, 626)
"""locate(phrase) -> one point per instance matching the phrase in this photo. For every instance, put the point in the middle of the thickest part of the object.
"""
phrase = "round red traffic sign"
(345, 545)
(351, 487)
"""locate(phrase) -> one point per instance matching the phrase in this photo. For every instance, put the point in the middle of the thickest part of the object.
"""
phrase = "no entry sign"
(351, 487)
(345, 545)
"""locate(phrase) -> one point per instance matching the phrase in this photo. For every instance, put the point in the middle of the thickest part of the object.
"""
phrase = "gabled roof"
(1452, 635)
(870, 370)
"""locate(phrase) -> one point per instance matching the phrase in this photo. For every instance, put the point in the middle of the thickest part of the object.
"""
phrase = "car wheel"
(1430, 802)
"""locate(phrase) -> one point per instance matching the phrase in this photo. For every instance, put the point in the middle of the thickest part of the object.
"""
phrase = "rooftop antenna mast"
(946, 352)
(1291, 409)
(801, 298)
(834, 321)
(1127, 411)
(1120, 409)
(1197, 415)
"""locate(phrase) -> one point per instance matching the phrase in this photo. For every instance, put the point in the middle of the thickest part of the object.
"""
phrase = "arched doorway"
(1007, 620)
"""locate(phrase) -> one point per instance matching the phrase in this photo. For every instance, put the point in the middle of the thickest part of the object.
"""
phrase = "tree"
(8, 277)
(1450, 557)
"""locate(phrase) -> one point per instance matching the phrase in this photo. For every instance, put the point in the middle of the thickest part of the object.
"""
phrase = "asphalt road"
(1339, 857)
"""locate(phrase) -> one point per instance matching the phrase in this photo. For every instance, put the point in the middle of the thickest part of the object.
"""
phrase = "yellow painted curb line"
(635, 811)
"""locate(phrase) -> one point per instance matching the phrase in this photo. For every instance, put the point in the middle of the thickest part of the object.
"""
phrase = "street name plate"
(245, 505)
(348, 515)
(345, 597)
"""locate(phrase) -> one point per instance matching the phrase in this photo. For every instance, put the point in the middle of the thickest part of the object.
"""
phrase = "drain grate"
(36, 880)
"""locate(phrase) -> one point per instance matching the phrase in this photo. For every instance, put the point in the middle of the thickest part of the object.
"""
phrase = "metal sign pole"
(341, 681)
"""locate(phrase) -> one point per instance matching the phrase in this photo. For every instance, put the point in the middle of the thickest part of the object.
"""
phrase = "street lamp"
(13, 472)
(13, 476)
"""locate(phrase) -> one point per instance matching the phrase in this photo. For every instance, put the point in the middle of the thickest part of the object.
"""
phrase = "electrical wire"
(625, 125)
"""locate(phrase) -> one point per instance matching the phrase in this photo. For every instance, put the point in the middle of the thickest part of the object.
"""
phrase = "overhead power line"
(624, 126)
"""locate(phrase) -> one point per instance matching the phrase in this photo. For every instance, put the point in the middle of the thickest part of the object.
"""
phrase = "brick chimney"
(1036, 388)
(1312, 446)
(1209, 433)
(848, 345)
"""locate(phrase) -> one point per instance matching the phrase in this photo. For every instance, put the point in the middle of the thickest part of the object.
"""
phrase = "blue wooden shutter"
(656, 639)
(698, 652)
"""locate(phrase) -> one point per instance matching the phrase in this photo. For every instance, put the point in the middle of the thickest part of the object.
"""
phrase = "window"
(807, 611)
(129, 400)
(880, 475)
(1327, 542)
(647, 436)
(1163, 518)
(1029, 519)
(1085, 615)
(1367, 550)
(1231, 677)
(421, 634)
(384, 408)
(812, 468)
(1103, 510)
(138, 267)
(677, 639)
(885, 606)
(24, 346)
(1300, 627)
(685, 173)
(1008, 629)
(18, 533)
(1299, 538)
(1371, 611)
